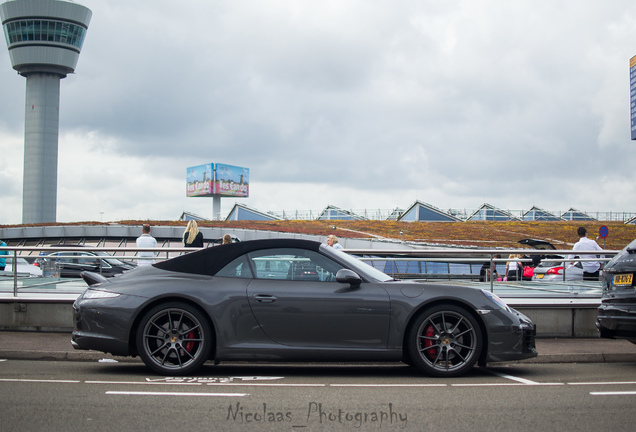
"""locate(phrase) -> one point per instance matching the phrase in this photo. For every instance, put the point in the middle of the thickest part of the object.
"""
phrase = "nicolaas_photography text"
(316, 413)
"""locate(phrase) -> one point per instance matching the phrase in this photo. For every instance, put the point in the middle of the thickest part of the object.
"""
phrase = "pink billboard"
(200, 181)
(232, 181)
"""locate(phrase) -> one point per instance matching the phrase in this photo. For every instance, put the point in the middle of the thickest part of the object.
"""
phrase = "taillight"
(555, 270)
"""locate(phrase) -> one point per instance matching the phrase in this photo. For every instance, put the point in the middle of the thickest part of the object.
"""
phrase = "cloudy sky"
(358, 104)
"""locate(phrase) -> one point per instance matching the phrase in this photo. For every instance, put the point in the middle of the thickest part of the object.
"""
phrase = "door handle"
(265, 298)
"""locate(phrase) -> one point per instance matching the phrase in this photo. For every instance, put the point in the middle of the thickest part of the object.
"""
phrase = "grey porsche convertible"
(292, 300)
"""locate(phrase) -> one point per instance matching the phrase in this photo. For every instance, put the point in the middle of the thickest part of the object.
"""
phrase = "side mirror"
(347, 276)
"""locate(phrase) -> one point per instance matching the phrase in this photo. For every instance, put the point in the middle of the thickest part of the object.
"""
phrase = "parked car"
(617, 313)
(549, 270)
(23, 267)
(292, 300)
(72, 263)
(550, 267)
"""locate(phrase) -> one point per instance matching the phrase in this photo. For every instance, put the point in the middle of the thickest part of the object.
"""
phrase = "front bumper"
(511, 337)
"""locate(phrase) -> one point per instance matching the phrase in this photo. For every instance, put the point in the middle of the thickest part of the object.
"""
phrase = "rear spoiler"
(92, 278)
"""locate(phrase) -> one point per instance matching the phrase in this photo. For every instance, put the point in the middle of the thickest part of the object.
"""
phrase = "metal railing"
(21, 251)
(460, 213)
(448, 256)
(476, 257)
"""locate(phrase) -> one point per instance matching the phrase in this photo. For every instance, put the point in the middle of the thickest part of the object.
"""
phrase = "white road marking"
(625, 393)
(603, 383)
(175, 394)
(144, 383)
(265, 385)
(489, 385)
(38, 380)
(388, 385)
(520, 380)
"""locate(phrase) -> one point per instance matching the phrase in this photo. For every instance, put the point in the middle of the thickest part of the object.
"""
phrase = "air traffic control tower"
(44, 38)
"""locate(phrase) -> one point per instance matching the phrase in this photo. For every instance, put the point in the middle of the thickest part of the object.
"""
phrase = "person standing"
(514, 269)
(145, 240)
(332, 241)
(488, 273)
(3, 261)
(192, 237)
(590, 268)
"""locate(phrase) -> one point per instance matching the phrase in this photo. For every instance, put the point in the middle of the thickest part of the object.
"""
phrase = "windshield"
(550, 264)
(363, 268)
(622, 253)
(109, 258)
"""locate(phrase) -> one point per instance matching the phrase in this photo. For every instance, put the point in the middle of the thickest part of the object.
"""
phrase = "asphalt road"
(92, 396)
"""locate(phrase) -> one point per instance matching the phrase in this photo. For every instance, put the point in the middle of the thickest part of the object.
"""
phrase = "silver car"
(553, 271)
(550, 267)
(24, 268)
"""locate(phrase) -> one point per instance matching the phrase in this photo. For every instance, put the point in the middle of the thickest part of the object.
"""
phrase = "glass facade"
(539, 215)
(487, 214)
(34, 30)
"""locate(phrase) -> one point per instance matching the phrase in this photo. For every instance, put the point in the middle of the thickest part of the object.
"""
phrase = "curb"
(582, 358)
(79, 356)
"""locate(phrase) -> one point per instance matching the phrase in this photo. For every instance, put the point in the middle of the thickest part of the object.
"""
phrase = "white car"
(23, 267)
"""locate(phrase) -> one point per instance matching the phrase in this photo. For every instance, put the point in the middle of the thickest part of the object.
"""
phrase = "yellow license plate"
(540, 276)
(623, 279)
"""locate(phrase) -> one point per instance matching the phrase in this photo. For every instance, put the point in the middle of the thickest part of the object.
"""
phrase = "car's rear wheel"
(444, 341)
(174, 339)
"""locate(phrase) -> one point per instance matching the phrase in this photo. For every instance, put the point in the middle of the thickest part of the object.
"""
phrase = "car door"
(296, 300)
(67, 264)
(89, 262)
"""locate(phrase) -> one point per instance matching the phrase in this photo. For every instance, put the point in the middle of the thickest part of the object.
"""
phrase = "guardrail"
(448, 256)
(477, 256)
(20, 252)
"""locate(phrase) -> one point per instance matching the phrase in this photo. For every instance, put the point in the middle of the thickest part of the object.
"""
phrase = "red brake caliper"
(431, 353)
(189, 345)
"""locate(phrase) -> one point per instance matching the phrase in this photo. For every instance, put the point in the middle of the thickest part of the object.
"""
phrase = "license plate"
(539, 276)
(623, 279)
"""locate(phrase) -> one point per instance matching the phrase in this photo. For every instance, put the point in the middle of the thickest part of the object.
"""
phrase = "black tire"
(174, 339)
(444, 341)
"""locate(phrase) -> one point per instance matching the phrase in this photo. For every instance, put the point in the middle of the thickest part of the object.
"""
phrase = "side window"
(89, 260)
(293, 264)
(238, 268)
(65, 258)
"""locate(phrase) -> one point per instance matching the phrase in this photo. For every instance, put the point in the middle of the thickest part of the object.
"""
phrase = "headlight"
(99, 294)
(496, 300)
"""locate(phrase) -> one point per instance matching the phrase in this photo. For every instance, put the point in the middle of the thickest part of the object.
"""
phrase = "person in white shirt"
(590, 268)
(145, 240)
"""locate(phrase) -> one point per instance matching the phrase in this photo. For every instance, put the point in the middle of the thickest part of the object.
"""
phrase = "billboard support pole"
(216, 207)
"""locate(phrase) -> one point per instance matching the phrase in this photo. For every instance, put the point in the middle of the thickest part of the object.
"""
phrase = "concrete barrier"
(23, 315)
(566, 319)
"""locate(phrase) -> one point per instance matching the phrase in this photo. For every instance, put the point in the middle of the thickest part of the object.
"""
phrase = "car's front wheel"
(444, 341)
(174, 339)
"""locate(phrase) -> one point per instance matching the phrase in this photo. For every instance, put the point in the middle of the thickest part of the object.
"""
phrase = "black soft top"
(209, 261)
